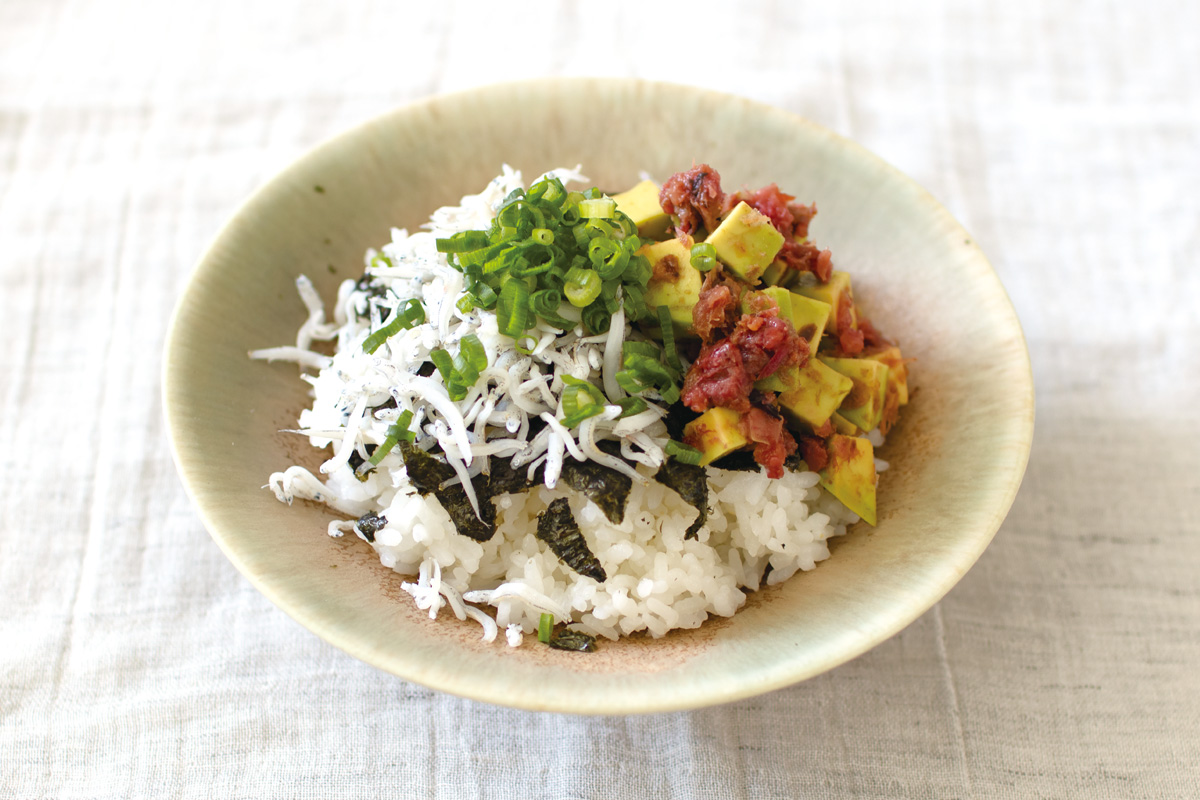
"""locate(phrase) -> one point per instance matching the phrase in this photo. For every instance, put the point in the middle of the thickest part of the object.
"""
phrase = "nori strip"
(425, 472)
(690, 482)
(578, 641)
(428, 474)
(369, 524)
(557, 527)
(504, 479)
(678, 415)
(454, 499)
(740, 460)
(605, 487)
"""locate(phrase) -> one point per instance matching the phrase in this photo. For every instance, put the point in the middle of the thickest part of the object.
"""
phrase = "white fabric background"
(136, 662)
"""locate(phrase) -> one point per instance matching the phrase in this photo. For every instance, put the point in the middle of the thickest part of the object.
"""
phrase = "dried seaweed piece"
(578, 641)
(427, 475)
(739, 460)
(605, 487)
(558, 529)
(369, 524)
(454, 499)
(504, 479)
(425, 472)
(678, 416)
(691, 483)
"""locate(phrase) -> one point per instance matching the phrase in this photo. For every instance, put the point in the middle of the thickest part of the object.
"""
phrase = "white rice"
(657, 579)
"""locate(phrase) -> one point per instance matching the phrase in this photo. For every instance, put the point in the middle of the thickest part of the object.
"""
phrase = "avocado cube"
(814, 393)
(810, 318)
(764, 298)
(807, 316)
(844, 426)
(897, 372)
(850, 474)
(834, 292)
(674, 282)
(641, 204)
(746, 242)
(779, 274)
(863, 406)
(715, 433)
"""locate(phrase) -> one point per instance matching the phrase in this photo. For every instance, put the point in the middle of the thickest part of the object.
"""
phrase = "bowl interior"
(956, 458)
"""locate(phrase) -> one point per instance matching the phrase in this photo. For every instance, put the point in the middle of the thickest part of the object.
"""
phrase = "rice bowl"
(956, 461)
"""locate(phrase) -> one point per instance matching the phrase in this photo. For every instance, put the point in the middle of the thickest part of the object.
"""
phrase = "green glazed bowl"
(956, 458)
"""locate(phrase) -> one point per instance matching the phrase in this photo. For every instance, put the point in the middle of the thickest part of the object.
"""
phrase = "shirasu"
(358, 395)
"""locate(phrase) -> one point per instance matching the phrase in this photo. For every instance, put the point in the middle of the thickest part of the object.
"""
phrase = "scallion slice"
(396, 431)
(582, 287)
(683, 453)
(600, 208)
(703, 256)
(668, 336)
(406, 316)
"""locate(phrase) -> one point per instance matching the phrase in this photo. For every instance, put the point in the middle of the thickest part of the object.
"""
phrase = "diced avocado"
(807, 316)
(844, 426)
(810, 318)
(674, 282)
(773, 274)
(897, 371)
(814, 393)
(832, 292)
(896, 393)
(746, 242)
(778, 273)
(641, 204)
(863, 406)
(764, 298)
(715, 433)
(850, 474)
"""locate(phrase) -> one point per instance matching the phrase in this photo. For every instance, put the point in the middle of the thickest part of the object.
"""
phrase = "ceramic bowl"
(956, 458)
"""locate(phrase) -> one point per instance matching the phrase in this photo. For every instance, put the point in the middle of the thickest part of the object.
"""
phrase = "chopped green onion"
(627, 226)
(545, 303)
(668, 336)
(396, 431)
(638, 271)
(406, 316)
(577, 244)
(600, 208)
(444, 363)
(463, 242)
(580, 400)
(582, 287)
(545, 627)
(635, 301)
(597, 318)
(630, 406)
(512, 313)
(471, 359)
(683, 453)
(608, 258)
(703, 256)
(647, 349)
(645, 369)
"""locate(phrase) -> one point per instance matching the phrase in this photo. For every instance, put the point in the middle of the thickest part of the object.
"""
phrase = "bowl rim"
(175, 416)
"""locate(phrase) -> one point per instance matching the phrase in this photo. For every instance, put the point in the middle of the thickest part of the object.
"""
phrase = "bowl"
(957, 457)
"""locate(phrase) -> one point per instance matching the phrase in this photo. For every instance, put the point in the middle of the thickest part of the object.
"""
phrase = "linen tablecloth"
(136, 661)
